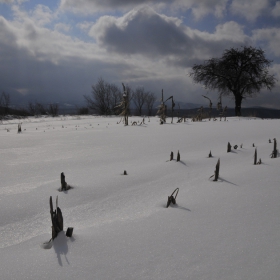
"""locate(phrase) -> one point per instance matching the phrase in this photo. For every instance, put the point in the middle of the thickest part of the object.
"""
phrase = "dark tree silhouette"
(139, 99)
(150, 100)
(239, 72)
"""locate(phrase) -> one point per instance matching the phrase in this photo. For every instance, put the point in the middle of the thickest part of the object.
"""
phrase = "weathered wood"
(69, 232)
(210, 154)
(216, 174)
(255, 157)
(171, 156)
(56, 218)
(63, 182)
(274, 152)
(171, 198)
(228, 147)
(178, 156)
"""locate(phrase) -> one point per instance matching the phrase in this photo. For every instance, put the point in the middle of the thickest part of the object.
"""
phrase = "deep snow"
(224, 230)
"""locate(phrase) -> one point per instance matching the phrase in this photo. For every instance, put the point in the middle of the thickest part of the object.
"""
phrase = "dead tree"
(210, 106)
(124, 105)
(162, 110)
(171, 198)
(172, 107)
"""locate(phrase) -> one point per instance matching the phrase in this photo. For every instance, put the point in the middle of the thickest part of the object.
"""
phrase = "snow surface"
(225, 230)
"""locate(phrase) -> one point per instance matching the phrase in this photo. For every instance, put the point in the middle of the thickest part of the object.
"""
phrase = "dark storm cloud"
(143, 31)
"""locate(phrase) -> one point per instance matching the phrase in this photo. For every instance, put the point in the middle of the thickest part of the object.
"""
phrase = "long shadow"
(179, 207)
(223, 180)
(60, 246)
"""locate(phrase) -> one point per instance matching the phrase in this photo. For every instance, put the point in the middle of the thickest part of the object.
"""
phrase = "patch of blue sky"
(5, 11)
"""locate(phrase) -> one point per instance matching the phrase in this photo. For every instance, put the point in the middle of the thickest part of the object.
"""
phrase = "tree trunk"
(238, 101)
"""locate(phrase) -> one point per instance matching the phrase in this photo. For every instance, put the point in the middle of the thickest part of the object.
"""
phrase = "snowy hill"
(223, 230)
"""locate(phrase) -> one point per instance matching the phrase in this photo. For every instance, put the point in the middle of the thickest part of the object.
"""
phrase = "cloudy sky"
(54, 51)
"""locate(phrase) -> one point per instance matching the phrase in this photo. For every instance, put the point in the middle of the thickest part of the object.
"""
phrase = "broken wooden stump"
(210, 155)
(216, 172)
(64, 185)
(19, 128)
(171, 156)
(228, 147)
(178, 156)
(171, 198)
(56, 218)
(255, 157)
(69, 232)
(235, 147)
(274, 152)
(124, 173)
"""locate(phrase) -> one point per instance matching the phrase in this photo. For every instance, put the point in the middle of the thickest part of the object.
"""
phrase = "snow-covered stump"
(228, 147)
(171, 198)
(210, 155)
(171, 156)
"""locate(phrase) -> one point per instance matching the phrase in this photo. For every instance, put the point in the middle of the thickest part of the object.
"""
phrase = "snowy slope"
(228, 229)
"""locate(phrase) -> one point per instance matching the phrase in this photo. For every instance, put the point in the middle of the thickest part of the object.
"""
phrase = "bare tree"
(100, 99)
(31, 107)
(5, 102)
(239, 72)
(40, 109)
(53, 109)
(116, 97)
(150, 101)
(139, 99)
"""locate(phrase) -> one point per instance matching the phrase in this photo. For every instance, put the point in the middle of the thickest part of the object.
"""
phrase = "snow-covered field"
(222, 230)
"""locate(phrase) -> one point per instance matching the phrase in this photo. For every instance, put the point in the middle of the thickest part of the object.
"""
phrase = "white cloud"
(269, 38)
(62, 27)
(249, 9)
(199, 8)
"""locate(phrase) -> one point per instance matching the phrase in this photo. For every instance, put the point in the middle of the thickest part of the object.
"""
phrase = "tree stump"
(56, 218)
(171, 156)
(228, 147)
(171, 198)
(217, 170)
(63, 182)
(178, 156)
(255, 157)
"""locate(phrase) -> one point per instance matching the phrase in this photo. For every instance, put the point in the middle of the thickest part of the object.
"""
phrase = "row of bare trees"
(36, 108)
(4, 103)
(106, 97)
